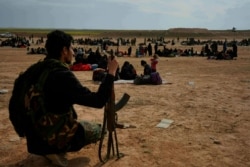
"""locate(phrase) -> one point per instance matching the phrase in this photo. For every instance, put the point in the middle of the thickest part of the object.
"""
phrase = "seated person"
(78, 59)
(128, 71)
(147, 69)
(145, 78)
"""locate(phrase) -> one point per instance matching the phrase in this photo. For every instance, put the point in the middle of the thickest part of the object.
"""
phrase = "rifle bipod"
(109, 127)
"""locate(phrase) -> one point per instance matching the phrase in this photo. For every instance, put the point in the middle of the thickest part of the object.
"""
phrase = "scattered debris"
(14, 138)
(3, 91)
(165, 123)
(191, 83)
(215, 141)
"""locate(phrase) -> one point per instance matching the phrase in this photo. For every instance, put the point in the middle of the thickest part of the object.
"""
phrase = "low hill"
(172, 32)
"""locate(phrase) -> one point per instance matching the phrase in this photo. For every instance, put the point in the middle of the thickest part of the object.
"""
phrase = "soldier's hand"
(112, 65)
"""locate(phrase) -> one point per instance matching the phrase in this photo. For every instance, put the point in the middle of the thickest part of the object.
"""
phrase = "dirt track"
(208, 100)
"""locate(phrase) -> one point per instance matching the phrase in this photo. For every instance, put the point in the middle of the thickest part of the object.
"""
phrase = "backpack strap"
(56, 129)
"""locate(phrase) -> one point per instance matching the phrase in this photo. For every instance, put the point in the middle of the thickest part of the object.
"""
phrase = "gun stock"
(110, 122)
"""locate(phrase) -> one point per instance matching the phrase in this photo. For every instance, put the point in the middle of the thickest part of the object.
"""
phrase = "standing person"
(149, 49)
(207, 50)
(129, 51)
(61, 90)
(235, 50)
(156, 47)
(225, 46)
(214, 47)
(154, 62)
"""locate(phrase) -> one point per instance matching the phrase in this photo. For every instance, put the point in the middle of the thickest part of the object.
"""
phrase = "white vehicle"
(7, 35)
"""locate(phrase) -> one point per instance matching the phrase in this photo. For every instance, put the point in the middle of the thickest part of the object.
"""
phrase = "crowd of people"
(147, 48)
(227, 53)
(38, 50)
(18, 42)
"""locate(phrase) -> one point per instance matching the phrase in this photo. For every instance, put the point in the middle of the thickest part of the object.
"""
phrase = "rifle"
(110, 122)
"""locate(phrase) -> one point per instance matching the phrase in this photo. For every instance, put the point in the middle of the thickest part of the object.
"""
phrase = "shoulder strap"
(42, 69)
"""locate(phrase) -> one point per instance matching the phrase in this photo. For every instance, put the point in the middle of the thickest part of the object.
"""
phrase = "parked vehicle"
(7, 35)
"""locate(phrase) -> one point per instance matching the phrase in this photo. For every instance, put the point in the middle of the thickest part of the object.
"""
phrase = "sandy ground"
(208, 101)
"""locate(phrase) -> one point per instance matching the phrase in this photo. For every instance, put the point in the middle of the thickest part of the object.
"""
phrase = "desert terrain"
(207, 100)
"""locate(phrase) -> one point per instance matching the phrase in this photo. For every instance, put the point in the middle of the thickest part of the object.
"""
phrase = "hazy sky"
(125, 14)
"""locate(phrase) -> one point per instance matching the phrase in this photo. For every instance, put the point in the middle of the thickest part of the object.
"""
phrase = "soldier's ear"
(65, 51)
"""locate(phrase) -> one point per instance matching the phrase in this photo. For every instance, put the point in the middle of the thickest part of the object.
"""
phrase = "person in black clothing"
(129, 51)
(144, 78)
(235, 50)
(156, 47)
(214, 47)
(149, 49)
(61, 91)
(128, 71)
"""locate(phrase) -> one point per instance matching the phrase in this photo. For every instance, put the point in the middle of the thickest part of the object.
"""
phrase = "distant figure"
(156, 47)
(129, 51)
(104, 46)
(214, 47)
(79, 56)
(206, 48)
(225, 46)
(235, 50)
(149, 49)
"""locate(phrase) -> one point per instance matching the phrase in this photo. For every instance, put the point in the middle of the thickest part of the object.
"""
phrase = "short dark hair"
(55, 42)
(143, 62)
